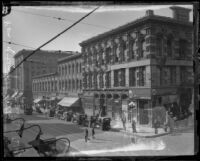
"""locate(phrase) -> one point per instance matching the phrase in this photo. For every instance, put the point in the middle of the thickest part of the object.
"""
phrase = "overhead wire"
(12, 43)
(63, 19)
(33, 52)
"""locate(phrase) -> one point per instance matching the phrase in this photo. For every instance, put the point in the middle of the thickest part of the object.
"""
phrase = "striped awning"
(68, 101)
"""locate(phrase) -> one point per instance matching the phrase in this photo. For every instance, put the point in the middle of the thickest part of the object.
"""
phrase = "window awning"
(52, 98)
(68, 101)
(7, 97)
(20, 95)
(37, 100)
(15, 94)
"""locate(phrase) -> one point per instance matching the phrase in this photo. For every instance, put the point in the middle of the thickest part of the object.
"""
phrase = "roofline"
(74, 56)
(45, 75)
(134, 23)
(50, 51)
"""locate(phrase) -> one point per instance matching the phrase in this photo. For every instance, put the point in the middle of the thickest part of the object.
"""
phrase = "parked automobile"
(28, 111)
(59, 112)
(75, 117)
(52, 112)
(104, 123)
(69, 116)
(37, 108)
(82, 119)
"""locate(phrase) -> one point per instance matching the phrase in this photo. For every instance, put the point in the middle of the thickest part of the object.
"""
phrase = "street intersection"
(108, 143)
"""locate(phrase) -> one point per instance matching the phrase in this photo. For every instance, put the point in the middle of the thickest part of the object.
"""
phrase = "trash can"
(106, 124)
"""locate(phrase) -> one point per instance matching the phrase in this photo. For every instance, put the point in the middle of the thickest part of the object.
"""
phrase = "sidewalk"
(142, 131)
(114, 144)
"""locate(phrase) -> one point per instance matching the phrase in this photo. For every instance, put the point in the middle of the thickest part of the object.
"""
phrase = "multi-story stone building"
(41, 62)
(10, 82)
(147, 62)
(65, 84)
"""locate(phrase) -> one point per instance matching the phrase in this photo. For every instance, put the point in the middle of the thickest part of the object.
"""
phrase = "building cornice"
(71, 57)
(26, 51)
(45, 75)
(135, 23)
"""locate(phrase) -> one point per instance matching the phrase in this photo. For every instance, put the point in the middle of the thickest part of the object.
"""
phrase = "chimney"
(149, 12)
(180, 13)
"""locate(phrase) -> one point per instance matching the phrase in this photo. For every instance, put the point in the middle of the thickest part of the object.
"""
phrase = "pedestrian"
(156, 125)
(124, 122)
(86, 135)
(134, 126)
(93, 131)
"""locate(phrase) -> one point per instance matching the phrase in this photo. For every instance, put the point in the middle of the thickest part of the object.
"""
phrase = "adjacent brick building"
(41, 62)
(147, 62)
(65, 83)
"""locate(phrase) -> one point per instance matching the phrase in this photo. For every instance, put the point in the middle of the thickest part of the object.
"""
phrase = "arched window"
(77, 68)
(159, 43)
(80, 85)
(72, 68)
(65, 69)
(70, 85)
(142, 49)
(69, 69)
(80, 68)
(182, 48)
(77, 84)
(169, 45)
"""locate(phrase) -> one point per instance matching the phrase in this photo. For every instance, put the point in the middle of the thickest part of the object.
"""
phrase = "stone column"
(178, 75)
(112, 78)
(127, 77)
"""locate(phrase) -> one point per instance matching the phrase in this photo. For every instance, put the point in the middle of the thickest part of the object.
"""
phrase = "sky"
(32, 26)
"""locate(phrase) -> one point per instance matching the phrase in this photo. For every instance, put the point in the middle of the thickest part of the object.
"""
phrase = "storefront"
(140, 106)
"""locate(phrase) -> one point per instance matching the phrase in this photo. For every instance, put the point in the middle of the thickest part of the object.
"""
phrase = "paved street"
(109, 143)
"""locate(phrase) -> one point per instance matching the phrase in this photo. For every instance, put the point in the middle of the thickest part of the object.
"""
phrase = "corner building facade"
(147, 61)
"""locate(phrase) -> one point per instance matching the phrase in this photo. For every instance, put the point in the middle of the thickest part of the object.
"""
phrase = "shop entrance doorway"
(143, 109)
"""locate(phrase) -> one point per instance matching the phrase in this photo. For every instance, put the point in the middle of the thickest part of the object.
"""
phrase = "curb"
(148, 136)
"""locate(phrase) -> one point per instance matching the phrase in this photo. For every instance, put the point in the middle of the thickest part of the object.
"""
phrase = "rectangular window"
(182, 48)
(172, 75)
(132, 78)
(123, 78)
(116, 78)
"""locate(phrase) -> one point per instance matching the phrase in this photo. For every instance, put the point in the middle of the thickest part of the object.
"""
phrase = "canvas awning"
(132, 104)
(15, 94)
(7, 97)
(37, 100)
(68, 101)
(19, 95)
(52, 98)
